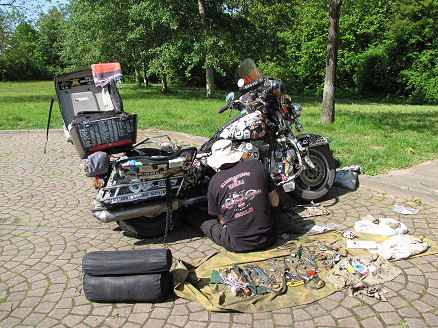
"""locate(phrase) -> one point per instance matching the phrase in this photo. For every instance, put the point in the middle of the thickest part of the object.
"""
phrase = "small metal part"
(318, 283)
(329, 246)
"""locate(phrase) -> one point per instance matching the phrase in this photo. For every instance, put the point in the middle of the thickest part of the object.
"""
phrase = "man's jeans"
(213, 229)
(209, 225)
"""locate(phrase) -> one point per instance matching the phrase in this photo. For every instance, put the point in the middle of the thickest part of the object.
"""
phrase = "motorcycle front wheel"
(313, 185)
(146, 226)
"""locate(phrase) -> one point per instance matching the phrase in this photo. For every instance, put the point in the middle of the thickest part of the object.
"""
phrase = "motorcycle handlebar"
(267, 91)
(223, 109)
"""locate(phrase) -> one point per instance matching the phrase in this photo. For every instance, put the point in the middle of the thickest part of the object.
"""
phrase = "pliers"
(295, 283)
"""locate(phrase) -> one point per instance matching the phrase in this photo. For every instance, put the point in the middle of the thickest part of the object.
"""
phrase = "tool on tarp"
(347, 252)
(330, 246)
(295, 283)
(265, 277)
(258, 271)
(235, 273)
(319, 283)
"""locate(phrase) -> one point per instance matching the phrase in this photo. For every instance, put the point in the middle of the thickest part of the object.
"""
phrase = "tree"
(209, 71)
(21, 59)
(415, 55)
(386, 47)
(158, 25)
(184, 42)
(5, 30)
(155, 26)
(51, 27)
(28, 10)
(98, 32)
(328, 100)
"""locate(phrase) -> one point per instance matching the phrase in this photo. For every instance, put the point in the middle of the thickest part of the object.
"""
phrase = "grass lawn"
(377, 136)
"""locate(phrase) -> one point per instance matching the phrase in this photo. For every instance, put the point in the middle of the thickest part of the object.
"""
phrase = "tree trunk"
(209, 84)
(328, 98)
(145, 76)
(137, 75)
(209, 71)
(164, 83)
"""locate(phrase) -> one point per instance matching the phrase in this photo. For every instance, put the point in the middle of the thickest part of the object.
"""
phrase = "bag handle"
(48, 123)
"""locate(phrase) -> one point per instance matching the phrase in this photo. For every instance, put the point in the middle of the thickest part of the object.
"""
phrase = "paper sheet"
(363, 244)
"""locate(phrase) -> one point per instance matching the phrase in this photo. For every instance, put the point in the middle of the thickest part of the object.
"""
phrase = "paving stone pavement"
(46, 228)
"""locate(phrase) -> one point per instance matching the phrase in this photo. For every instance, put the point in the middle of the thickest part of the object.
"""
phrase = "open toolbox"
(92, 110)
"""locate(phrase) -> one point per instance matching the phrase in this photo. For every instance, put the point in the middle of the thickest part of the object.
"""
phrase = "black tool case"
(93, 115)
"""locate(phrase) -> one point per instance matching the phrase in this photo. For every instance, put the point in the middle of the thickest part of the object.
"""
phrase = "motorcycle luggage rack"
(117, 188)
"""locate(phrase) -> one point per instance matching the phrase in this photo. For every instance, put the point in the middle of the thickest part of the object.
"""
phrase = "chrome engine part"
(140, 209)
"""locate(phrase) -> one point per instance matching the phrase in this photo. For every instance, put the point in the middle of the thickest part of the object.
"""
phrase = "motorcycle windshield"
(247, 74)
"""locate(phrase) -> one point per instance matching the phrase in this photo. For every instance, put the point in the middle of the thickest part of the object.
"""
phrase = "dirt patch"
(344, 155)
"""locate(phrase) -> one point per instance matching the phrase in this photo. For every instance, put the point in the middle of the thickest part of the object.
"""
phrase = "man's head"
(223, 152)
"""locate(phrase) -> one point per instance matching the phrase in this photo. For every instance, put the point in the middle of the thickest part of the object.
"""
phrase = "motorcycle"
(146, 190)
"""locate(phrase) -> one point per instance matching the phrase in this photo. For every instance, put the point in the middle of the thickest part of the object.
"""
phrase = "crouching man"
(240, 196)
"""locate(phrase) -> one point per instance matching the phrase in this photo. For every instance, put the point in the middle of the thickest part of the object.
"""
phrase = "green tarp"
(191, 280)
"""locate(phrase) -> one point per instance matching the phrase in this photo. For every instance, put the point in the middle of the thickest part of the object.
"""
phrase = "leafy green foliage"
(386, 47)
(20, 58)
(373, 76)
(417, 49)
(50, 41)
(421, 79)
(96, 31)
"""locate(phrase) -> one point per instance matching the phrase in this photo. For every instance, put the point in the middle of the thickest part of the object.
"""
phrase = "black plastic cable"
(48, 124)
(169, 216)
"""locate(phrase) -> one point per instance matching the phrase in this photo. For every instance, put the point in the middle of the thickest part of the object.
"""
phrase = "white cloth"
(380, 226)
(401, 247)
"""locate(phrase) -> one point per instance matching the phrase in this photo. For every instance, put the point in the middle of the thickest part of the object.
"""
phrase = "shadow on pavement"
(334, 194)
(286, 222)
(287, 217)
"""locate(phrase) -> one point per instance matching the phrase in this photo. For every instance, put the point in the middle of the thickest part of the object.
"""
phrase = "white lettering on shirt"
(236, 198)
(234, 178)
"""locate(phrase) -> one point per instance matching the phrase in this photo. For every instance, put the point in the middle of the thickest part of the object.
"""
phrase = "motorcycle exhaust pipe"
(150, 208)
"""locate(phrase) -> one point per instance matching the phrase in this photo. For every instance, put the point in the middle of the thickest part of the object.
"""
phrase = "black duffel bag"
(127, 276)
(149, 288)
(116, 263)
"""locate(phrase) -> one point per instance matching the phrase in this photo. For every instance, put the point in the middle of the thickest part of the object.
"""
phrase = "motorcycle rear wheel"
(146, 226)
(313, 185)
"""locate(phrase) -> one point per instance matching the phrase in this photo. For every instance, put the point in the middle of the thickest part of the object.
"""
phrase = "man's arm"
(273, 198)
(221, 219)
(272, 192)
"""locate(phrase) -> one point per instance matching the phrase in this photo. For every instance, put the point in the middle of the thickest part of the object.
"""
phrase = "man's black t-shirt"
(240, 194)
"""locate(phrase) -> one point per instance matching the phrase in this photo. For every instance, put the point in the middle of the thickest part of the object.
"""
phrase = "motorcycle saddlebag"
(130, 262)
(148, 288)
(93, 113)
